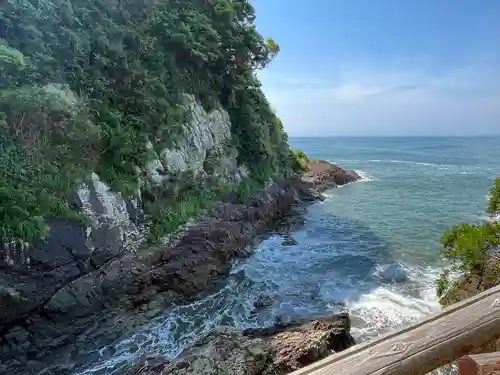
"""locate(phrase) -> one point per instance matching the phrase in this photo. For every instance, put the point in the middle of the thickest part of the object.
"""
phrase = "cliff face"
(158, 101)
(70, 285)
(204, 153)
(139, 157)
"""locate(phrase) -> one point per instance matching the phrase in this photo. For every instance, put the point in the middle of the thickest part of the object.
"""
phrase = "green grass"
(169, 218)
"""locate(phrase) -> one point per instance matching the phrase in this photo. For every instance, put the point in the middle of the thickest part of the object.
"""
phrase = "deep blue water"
(372, 247)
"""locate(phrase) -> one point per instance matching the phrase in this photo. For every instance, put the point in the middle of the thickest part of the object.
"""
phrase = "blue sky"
(384, 67)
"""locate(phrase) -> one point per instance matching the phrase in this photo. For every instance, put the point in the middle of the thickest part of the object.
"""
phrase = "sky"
(384, 67)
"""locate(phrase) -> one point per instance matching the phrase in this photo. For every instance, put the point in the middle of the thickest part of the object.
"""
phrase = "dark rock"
(153, 363)
(391, 273)
(72, 277)
(289, 241)
(262, 302)
(224, 351)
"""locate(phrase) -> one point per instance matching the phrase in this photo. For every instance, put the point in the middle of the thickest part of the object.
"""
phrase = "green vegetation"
(494, 205)
(168, 218)
(466, 246)
(46, 147)
(301, 161)
(85, 83)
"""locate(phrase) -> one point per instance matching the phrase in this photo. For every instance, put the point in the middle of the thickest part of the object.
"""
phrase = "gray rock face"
(78, 272)
(68, 284)
(204, 148)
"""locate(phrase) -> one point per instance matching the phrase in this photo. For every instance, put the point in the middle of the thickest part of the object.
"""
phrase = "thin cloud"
(460, 101)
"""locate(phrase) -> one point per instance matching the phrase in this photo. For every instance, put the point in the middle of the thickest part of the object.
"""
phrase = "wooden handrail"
(438, 340)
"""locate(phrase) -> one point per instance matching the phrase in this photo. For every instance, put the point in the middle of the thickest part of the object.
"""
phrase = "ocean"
(372, 247)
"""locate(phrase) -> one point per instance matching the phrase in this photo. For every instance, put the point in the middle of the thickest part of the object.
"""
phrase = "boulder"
(289, 240)
(391, 273)
(262, 302)
(299, 344)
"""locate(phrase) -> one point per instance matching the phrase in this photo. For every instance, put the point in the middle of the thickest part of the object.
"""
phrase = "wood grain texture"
(438, 340)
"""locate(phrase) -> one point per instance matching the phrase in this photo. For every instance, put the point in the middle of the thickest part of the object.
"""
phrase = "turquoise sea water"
(371, 247)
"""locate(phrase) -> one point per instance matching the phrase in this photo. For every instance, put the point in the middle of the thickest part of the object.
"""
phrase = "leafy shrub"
(443, 283)
(300, 161)
(47, 146)
(168, 218)
(494, 204)
(467, 244)
(467, 247)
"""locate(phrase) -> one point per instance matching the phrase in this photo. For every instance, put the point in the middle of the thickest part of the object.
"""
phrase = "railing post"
(477, 365)
(467, 366)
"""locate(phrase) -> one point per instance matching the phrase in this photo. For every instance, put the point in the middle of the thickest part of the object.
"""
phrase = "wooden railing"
(436, 341)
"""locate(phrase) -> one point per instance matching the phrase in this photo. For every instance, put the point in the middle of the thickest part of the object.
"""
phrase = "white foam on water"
(407, 162)
(389, 307)
(365, 177)
(167, 334)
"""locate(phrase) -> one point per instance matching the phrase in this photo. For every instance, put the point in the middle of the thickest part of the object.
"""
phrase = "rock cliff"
(80, 271)
(139, 158)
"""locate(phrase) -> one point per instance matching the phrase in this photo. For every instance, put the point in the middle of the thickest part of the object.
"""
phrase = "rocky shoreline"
(43, 307)
(274, 351)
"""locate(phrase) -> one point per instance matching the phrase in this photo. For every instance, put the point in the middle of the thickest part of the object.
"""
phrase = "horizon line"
(395, 136)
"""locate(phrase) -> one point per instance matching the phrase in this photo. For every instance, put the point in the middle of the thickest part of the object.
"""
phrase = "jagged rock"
(391, 273)
(273, 351)
(262, 302)
(289, 241)
(302, 345)
(224, 351)
(69, 282)
(324, 175)
(202, 146)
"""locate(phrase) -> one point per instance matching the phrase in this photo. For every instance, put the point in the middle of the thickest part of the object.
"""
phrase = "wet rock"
(262, 302)
(276, 350)
(289, 241)
(149, 364)
(392, 273)
(70, 279)
(225, 351)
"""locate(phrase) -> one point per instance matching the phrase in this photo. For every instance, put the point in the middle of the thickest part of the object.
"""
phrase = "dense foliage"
(301, 160)
(494, 205)
(467, 246)
(85, 83)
